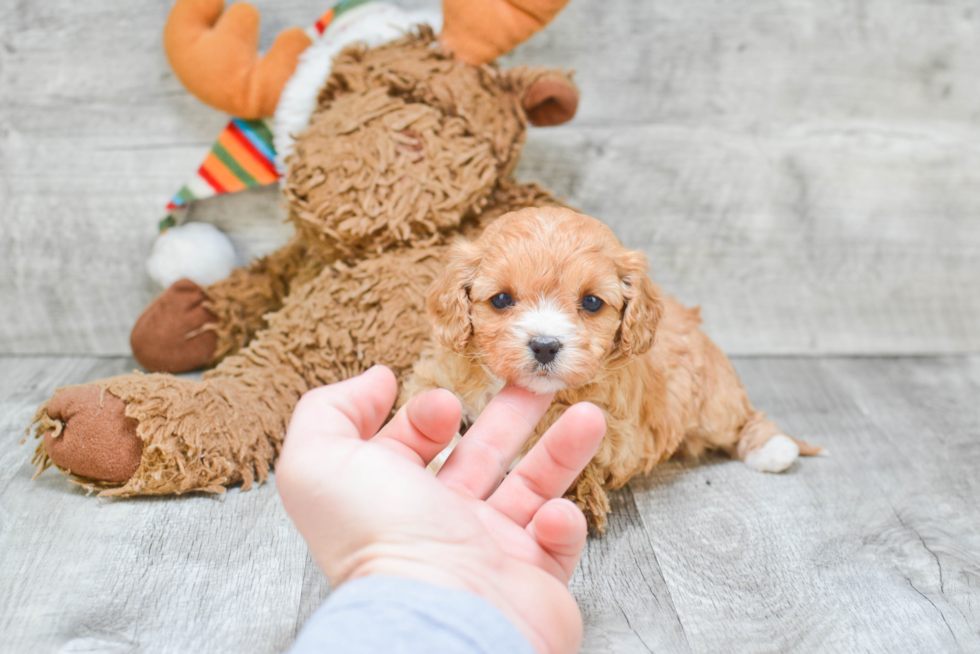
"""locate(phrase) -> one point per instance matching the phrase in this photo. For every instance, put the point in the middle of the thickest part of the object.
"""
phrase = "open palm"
(365, 504)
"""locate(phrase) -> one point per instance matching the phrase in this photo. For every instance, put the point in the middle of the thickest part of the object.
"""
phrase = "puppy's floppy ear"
(549, 97)
(643, 309)
(448, 302)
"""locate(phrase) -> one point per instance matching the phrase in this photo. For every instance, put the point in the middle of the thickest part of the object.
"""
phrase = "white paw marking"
(776, 455)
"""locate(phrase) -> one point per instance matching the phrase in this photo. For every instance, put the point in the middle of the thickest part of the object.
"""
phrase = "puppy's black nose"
(545, 348)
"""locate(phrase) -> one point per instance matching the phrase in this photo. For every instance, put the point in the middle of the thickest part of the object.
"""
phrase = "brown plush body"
(407, 149)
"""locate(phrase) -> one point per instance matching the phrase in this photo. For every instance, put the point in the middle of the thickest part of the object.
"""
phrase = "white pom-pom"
(196, 251)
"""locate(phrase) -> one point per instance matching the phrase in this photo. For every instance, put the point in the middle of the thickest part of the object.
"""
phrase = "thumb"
(351, 409)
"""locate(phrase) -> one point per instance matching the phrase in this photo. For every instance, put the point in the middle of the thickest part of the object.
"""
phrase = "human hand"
(365, 504)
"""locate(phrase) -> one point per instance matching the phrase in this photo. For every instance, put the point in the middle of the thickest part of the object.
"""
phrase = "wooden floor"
(874, 548)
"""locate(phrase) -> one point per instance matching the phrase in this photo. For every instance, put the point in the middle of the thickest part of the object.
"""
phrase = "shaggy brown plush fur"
(407, 149)
(662, 385)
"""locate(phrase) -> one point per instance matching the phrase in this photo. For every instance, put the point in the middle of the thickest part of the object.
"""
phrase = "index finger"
(482, 458)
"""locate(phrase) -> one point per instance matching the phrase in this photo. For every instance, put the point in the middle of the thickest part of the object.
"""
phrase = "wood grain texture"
(194, 573)
(621, 589)
(789, 240)
(874, 548)
(806, 171)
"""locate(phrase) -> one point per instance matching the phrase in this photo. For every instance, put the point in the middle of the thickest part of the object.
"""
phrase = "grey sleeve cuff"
(396, 615)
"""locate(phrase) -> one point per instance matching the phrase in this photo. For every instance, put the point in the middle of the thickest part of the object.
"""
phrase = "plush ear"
(448, 302)
(643, 309)
(549, 97)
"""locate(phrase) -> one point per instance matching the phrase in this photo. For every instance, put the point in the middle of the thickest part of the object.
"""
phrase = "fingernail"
(569, 509)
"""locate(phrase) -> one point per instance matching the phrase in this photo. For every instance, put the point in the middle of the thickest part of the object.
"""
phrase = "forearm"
(386, 614)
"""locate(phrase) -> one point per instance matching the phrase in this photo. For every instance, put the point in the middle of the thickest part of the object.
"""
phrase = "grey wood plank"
(767, 62)
(194, 573)
(862, 551)
(789, 239)
(936, 400)
(875, 548)
(625, 601)
(918, 425)
(316, 588)
(804, 170)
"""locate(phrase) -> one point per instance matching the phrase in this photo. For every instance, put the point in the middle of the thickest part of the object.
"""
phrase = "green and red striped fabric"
(243, 157)
(320, 26)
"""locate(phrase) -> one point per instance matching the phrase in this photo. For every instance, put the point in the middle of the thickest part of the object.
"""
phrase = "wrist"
(465, 570)
(443, 565)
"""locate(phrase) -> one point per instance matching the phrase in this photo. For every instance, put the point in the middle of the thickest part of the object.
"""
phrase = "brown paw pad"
(168, 336)
(97, 440)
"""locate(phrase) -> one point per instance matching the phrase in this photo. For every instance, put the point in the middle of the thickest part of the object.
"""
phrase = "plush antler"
(479, 31)
(215, 55)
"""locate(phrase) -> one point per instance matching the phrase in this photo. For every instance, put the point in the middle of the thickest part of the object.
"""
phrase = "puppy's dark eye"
(501, 300)
(592, 304)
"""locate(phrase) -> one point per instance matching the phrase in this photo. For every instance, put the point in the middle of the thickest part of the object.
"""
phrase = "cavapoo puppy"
(549, 300)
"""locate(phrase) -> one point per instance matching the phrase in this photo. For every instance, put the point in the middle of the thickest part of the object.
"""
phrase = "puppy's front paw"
(777, 455)
(589, 494)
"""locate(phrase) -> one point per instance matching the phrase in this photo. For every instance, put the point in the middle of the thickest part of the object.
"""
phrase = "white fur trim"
(196, 251)
(777, 455)
(373, 24)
